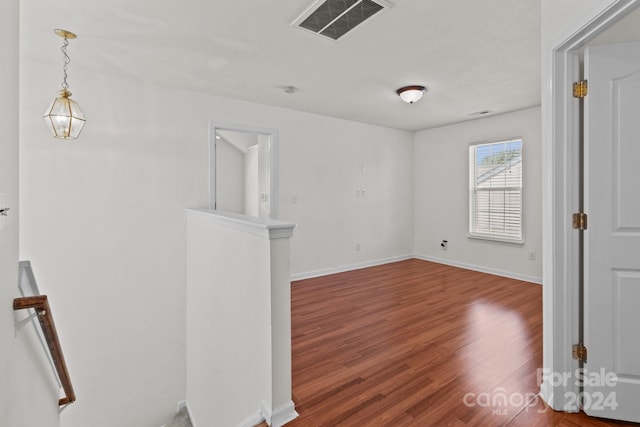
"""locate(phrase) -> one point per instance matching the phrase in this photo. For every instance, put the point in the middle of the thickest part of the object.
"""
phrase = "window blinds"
(495, 191)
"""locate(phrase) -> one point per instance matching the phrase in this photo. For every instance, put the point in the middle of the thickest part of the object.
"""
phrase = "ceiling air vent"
(335, 18)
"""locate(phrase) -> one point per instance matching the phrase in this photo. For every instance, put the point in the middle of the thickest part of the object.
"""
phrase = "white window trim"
(492, 237)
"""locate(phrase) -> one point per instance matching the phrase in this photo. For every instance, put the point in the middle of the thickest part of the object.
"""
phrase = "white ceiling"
(240, 140)
(625, 31)
(473, 55)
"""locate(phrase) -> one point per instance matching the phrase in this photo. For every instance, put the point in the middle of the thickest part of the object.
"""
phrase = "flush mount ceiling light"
(411, 94)
(64, 117)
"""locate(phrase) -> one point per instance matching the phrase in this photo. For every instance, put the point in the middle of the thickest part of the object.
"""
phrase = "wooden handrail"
(41, 305)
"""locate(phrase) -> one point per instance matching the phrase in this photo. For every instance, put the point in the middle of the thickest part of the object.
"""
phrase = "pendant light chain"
(64, 116)
(67, 60)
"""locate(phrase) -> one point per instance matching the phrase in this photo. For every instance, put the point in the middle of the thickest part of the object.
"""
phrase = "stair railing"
(41, 305)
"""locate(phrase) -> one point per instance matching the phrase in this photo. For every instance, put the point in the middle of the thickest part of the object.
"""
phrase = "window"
(495, 191)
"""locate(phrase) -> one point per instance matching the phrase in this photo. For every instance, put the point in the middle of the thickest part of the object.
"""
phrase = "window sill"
(496, 239)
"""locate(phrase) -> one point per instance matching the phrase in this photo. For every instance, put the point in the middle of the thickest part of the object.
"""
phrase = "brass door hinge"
(580, 352)
(580, 89)
(580, 221)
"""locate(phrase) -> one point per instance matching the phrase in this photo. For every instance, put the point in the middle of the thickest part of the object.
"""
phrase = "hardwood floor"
(415, 343)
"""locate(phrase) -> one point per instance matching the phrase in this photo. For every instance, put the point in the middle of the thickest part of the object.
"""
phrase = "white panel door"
(612, 239)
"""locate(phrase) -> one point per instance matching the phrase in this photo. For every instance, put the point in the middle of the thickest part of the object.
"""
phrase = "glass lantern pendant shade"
(64, 117)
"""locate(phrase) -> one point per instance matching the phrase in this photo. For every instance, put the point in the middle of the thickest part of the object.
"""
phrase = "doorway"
(615, 24)
(243, 170)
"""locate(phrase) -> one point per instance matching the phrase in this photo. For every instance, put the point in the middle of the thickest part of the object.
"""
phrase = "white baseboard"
(349, 267)
(278, 418)
(184, 404)
(357, 266)
(283, 414)
(546, 393)
(558, 398)
(265, 413)
(481, 269)
(253, 420)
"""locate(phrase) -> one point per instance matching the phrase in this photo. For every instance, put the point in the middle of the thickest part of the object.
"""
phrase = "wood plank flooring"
(415, 343)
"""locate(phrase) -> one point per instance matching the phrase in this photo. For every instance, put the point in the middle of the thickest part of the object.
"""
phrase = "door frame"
(560, 201)
(272, 134)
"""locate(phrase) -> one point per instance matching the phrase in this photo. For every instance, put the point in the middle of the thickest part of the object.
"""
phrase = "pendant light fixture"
(64, 117)
(411, 94)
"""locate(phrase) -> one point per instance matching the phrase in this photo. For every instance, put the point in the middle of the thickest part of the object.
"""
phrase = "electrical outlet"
(532, 255)
(358, 246)
(444, 245)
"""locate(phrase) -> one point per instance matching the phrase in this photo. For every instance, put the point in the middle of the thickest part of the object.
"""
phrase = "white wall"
(251, 182)
(229, 323)
(230, 177)
(28, 389)
(441, 195)
(238, 320)
(102, 221)
(321, 164)
(264, 175)
(560, 18)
